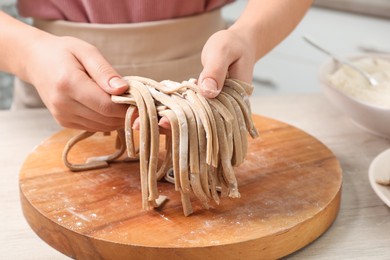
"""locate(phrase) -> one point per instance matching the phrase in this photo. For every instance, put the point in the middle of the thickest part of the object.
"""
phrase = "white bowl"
(380, 170)
(372, 118)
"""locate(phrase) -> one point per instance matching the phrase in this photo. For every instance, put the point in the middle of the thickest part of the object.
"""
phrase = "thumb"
(211, 79)
(213, 76)
(102, 72)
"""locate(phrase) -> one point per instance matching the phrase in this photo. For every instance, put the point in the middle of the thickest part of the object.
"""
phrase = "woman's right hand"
(75, 83)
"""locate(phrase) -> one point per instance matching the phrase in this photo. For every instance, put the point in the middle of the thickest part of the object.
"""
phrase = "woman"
(75, 56)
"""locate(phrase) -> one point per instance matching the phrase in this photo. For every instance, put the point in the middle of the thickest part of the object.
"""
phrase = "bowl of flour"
(367, 106)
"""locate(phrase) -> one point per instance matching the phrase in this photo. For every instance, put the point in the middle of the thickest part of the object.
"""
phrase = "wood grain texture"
(290, 185)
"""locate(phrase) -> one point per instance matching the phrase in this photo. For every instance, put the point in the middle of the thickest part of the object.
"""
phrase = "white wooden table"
(361, 230)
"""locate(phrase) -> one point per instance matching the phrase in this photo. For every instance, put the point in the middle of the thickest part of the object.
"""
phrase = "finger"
(212, 77)
(77, 114)
(101, 71)
(214, 72)
(90, 95)
(79, 127)
(165, 123)
(85, 124)
(98, 127)
(85, 112)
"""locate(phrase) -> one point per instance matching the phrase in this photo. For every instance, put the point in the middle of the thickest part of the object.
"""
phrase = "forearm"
(15, 39)
(266, 23)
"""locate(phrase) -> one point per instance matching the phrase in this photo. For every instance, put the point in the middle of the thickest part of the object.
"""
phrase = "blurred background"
(343, 26)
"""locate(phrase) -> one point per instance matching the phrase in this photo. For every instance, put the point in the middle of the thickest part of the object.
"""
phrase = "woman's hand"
(71, 76)
(226, 53)
(234, 51)
(75, 82)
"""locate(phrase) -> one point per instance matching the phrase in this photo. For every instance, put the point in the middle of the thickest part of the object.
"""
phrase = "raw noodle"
(208, 137)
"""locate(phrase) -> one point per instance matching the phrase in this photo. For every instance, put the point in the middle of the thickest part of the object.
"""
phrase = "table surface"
(361, 229)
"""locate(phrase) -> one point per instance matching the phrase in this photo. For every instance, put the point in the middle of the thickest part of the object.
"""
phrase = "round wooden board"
(290, 188)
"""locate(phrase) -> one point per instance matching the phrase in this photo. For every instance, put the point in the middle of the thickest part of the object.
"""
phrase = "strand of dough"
(175, 137)
(93, 162)
(144, 145)
(210, 114)
(240, 120)
(183, 141)
(129, 120)
(208, 138)
(202, 146)
(238, 154)
(237, 92)
(185, 198)
(193, 152)
(151, 115)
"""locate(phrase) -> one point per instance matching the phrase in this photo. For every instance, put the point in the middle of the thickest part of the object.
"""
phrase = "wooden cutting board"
(290, 188)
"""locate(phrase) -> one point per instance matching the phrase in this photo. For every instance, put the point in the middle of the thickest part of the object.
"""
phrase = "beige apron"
(168, 49)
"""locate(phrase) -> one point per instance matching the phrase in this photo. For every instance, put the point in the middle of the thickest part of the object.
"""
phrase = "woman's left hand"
(225, 54)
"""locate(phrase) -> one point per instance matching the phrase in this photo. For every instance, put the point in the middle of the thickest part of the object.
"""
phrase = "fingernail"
(210, 87)
(117, 82)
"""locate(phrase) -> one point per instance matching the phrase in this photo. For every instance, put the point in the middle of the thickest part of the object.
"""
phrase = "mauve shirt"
(116, 11)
